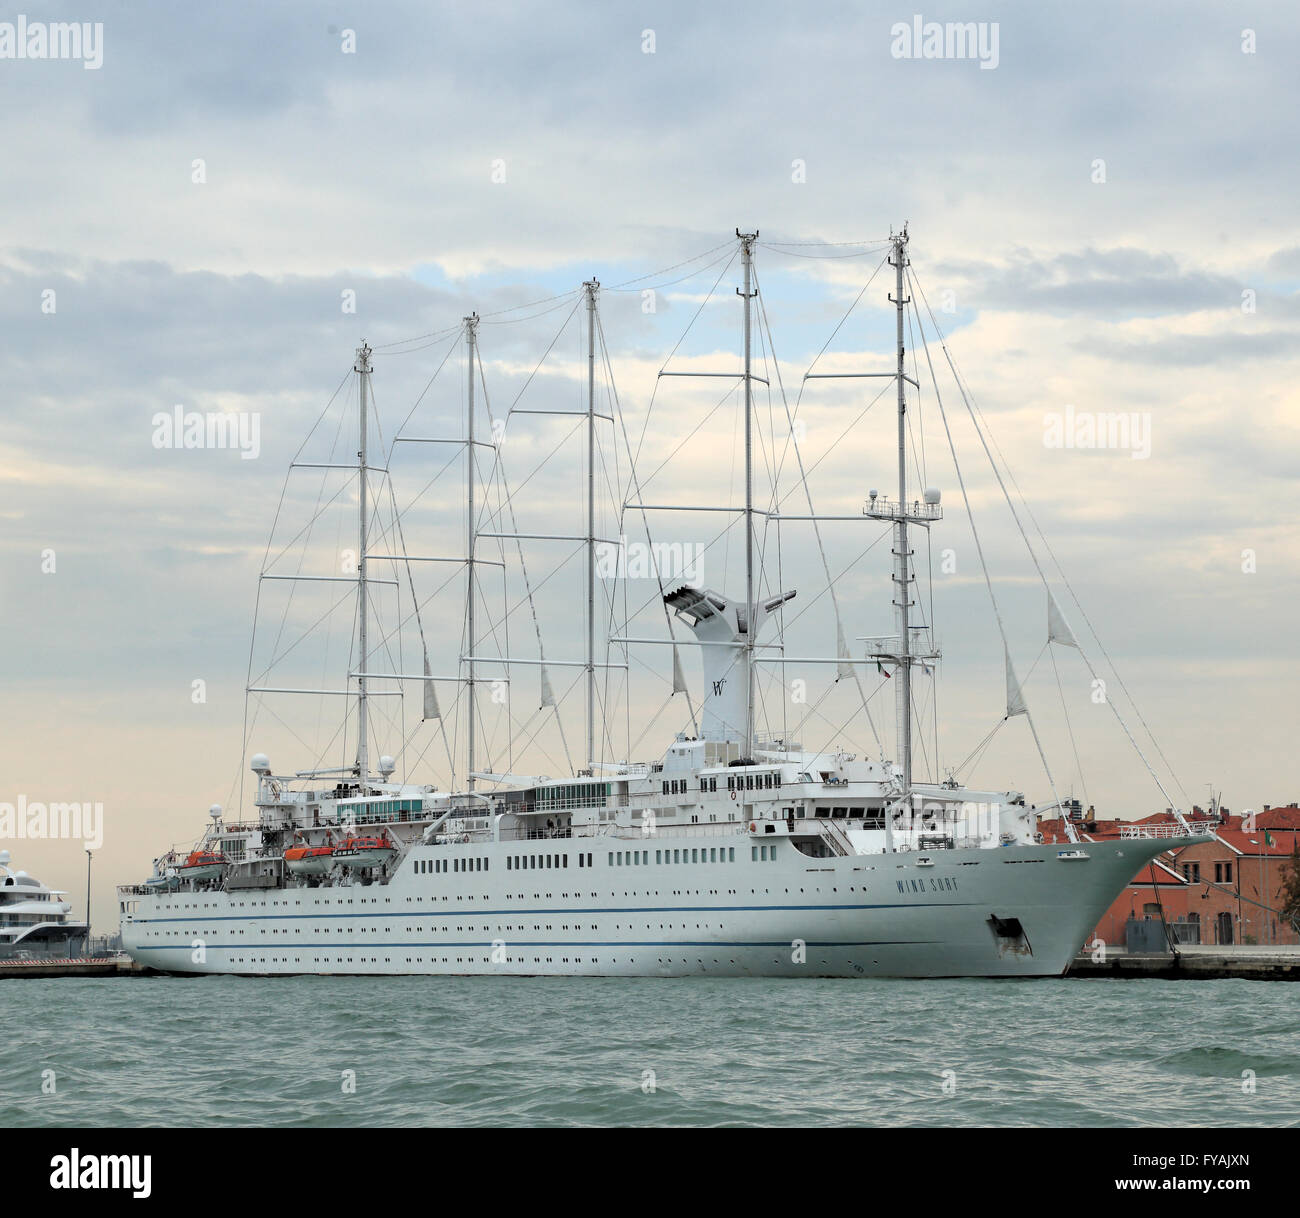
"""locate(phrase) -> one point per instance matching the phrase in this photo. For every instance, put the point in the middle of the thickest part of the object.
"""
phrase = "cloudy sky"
(1104, 221)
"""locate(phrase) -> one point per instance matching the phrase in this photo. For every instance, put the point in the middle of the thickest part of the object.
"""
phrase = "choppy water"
(511, 1051)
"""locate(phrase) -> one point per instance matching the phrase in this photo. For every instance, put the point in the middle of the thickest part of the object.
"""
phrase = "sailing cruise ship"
(740, 850)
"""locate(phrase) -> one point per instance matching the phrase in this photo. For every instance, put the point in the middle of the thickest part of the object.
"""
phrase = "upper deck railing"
(1196, 826)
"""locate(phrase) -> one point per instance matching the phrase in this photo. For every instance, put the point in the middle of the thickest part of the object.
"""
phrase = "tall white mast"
(902, 563)
(362, 368)
(747, 258)
(591, 287)
(471, 637)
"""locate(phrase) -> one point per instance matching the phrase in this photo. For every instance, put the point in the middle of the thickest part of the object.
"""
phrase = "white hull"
(857, 915)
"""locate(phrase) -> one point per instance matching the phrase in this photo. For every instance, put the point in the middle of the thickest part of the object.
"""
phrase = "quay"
(1195, 962)
(78, 966)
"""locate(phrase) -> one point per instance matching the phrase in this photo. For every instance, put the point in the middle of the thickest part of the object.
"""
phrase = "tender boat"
(363, 851)
(309, 860)
(203, 865)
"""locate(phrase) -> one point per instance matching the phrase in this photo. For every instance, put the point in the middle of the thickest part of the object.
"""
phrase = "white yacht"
(747, 847)
(33, 919)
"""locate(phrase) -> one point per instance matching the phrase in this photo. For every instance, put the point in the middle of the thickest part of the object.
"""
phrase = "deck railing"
(1175, 830)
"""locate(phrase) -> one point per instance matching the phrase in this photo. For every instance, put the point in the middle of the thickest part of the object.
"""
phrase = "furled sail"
(1058, 629)
(431, 708)
(679, 678)
(843, 668)
(548, 694)
(1015, 699)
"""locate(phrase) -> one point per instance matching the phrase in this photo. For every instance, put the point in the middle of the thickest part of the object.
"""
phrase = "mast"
(471, 637)
(902, 566)
(747, 258)
(362, 368)
(591, 287)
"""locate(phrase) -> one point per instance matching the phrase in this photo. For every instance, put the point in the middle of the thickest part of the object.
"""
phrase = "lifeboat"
(309, 860)
(364, 851)
(202, 865)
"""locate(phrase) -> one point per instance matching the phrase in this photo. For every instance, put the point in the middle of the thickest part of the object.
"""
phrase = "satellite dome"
(260, 764)
(932, 495)
(387, 765)
(215, 811)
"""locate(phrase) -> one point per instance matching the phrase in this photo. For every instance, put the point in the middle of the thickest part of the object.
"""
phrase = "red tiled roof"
(1279, 818)
(1253, 843)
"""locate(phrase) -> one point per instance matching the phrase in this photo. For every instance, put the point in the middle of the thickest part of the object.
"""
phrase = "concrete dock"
(1194, 963)
(86, 966)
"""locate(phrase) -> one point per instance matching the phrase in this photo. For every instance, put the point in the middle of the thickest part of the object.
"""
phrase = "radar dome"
(215, 811)
(387, 765)
(260, 764)
(932, 494)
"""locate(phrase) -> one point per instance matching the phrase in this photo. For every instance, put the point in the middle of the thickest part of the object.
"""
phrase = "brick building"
(1225, 891)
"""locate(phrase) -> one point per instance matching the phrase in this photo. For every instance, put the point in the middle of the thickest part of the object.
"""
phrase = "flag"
(1268, 839)
(880, 669)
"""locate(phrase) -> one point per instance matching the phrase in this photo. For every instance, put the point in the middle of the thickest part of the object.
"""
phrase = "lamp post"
(88, 858)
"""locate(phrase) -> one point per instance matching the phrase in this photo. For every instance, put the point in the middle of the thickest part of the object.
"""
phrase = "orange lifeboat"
(309, 860)
(202, 865)
(364, 851)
